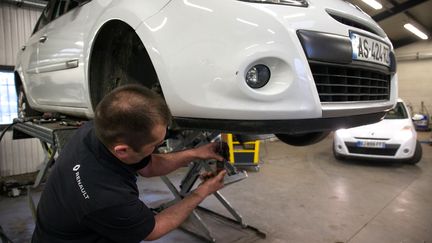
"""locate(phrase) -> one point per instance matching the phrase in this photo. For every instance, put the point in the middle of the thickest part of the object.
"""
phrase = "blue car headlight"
(297, 3)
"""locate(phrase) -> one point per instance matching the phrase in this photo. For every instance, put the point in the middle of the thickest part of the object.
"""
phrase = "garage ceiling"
(395, 13)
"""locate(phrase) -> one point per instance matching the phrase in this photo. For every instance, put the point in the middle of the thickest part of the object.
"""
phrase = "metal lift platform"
(203, 223)
(53, 135)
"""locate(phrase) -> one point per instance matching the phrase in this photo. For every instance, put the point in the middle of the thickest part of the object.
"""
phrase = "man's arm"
(172, 217)
(162, 164)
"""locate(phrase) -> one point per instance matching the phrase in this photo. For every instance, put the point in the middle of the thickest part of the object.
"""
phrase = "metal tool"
(191, 177)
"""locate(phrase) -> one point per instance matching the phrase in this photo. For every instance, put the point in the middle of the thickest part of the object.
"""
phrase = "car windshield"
(399, 112)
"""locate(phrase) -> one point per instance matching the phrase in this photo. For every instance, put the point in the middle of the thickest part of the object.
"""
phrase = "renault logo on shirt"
(76, 167)
(79, 181)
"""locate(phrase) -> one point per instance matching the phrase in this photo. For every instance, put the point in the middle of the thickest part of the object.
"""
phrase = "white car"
(392, 138)
(296, 68)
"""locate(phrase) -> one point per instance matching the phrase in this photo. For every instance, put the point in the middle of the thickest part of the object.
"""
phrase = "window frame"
(398, 107)
(46, 14)
(52, 8)
(11, 69)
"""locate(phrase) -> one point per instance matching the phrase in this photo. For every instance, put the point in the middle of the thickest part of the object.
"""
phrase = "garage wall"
(19, 156)
(415, 79)
(16, 24)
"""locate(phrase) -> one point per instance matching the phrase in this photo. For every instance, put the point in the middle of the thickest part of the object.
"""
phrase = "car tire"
(336, 154)
(417, 154)
(24, 109)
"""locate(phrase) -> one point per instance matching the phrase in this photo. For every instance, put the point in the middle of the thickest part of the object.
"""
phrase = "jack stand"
(195, 223)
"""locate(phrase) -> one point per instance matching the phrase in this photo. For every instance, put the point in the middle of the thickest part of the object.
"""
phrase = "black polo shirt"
(91, 196)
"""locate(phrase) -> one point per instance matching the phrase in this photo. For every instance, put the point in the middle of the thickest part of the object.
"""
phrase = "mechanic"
(91, 194)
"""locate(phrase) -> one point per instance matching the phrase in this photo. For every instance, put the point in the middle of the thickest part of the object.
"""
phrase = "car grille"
(344, 83)
(389, 150)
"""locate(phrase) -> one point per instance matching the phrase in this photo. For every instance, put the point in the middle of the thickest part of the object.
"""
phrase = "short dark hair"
(128, 114)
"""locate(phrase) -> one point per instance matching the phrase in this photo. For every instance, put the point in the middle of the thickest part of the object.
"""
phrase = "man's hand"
(163, 164)
(211, 183)
(208, 151)
(173, 216)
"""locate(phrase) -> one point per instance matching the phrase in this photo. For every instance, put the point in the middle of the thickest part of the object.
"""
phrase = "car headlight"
(297, 3)
(343, 133)
(404, 134)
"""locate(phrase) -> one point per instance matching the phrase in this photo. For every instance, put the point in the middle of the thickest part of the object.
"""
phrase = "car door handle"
(42, 39)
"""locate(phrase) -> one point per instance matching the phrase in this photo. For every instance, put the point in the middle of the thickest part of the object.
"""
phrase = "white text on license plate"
(368, 49)
(370, 144)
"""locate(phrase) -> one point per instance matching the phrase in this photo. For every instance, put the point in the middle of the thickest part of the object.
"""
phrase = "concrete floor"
(302, 194)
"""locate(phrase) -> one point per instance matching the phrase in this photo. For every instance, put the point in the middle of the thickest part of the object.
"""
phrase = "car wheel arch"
(24, 109)
(417, 156)
(110, 64)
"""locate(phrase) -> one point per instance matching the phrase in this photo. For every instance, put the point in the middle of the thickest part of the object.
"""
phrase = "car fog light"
(406, 151)
(258, 76)
(339, 147)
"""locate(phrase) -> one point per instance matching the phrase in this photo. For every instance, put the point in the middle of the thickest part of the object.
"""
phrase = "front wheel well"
(118, 57)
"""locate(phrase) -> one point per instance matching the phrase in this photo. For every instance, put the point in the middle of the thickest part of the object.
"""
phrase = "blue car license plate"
(370, 144)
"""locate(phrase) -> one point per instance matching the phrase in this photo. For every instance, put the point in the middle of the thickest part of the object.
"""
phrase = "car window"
(399, 112)
(53, 10)
(45, 17)
(64, 6)
(72, 4)
(60, 8)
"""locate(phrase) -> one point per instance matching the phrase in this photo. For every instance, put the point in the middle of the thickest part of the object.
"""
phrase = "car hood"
(384, 129)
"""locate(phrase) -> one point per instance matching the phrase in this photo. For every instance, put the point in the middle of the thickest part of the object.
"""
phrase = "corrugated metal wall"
(16, 24)
(19, 156)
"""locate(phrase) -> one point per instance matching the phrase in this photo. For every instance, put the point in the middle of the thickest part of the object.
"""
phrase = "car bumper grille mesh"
(343, 83)
(389, 150)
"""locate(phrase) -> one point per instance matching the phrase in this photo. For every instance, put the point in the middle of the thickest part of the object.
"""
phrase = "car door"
(28, 57)
(60, 56)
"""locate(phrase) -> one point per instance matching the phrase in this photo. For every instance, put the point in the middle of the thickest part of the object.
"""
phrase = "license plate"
(370, 50)
(370, 144)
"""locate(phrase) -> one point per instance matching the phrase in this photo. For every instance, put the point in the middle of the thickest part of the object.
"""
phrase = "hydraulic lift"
(53, 135)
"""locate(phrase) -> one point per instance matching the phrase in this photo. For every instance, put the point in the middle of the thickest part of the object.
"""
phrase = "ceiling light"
(416, 31)
(374, 4)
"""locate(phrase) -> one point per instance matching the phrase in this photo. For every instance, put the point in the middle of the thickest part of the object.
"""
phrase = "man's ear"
(122, 152)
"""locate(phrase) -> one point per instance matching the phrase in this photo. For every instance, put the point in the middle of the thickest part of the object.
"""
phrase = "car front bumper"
(394, 148)
(205, 81)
